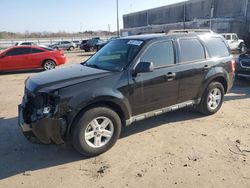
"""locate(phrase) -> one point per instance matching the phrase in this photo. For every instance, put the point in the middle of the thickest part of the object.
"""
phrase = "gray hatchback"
(65, 45)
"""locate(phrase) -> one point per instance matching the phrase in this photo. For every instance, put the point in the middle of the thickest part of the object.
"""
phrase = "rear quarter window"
(216, 47)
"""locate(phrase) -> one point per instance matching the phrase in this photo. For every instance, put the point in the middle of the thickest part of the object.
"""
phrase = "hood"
(63, 77)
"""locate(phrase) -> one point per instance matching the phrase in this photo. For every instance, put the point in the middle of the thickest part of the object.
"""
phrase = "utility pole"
(184, 15)
(211, 14)
(246, 9)
(117, 16)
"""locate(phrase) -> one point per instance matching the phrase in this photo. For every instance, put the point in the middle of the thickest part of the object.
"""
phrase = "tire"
(92, 49)
(242, 48)
(49, 65)
(211, 104)
(71, 48)
(88, 138)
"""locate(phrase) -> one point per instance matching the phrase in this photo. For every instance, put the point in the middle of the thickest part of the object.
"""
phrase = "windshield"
(115, 55)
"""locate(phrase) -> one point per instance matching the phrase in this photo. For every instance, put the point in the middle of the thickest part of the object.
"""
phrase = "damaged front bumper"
(44, 131)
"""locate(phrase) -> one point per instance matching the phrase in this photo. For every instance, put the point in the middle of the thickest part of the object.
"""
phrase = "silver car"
(65, 45)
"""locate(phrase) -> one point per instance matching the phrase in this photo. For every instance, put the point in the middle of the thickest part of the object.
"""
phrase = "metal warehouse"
(221, 16)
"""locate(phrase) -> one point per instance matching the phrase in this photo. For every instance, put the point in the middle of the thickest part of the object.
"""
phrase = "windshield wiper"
(92, 65)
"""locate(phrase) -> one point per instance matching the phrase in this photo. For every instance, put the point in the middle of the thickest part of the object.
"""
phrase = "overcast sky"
(68, 15)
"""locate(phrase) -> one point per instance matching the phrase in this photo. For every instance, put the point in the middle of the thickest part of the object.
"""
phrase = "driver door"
(157, 89)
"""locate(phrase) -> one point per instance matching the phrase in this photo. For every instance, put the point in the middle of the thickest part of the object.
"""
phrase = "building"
(221, 16)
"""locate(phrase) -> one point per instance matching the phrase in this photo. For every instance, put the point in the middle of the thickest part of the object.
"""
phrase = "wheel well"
(223, 81)
(107, 104)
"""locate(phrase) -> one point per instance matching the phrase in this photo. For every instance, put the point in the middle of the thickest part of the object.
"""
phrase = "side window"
(191, 50)
(19, 51)
(161, 54)
(228, 37)
(234, 37)
(35, 50)
(26, 43)
(12, 52)
(216, 47)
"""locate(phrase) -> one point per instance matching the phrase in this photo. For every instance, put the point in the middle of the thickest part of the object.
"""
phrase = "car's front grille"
(245, 63)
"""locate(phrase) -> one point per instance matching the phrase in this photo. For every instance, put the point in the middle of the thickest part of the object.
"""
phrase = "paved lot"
(178, 149)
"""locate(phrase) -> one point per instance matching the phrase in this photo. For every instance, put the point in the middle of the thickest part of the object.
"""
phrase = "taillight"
(233, 63)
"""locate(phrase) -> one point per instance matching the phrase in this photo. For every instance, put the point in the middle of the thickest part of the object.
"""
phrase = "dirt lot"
(178, 149)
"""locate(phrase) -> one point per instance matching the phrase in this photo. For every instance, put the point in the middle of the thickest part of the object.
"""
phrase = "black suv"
(128, 80)
(91, 45)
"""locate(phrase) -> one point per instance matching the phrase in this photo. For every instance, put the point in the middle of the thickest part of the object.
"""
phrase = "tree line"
(44, 34)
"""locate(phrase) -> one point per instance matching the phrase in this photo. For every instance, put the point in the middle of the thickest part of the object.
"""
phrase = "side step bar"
(161, 111)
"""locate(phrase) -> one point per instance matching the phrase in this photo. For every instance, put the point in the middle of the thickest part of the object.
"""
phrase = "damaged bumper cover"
(44, 131)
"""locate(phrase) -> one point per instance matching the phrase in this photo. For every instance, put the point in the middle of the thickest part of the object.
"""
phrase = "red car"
(30, 57)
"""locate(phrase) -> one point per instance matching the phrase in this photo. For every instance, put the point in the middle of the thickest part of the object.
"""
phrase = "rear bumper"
(44, 131)
(61, 60)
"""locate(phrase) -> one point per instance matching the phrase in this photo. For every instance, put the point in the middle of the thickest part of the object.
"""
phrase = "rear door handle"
(206, 67)
(170, 76)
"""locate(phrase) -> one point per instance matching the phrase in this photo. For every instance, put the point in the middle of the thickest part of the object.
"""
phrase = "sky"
(68, 15)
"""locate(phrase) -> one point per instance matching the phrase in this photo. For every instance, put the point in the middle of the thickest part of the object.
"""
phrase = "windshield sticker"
(135, 42)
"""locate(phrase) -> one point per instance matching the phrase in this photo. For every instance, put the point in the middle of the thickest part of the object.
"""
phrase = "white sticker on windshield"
(135, 42)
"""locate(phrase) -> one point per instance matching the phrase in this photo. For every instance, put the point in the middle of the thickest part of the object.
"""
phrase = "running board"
(161, 111)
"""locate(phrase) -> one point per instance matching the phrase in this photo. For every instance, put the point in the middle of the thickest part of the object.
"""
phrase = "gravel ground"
(178, 149)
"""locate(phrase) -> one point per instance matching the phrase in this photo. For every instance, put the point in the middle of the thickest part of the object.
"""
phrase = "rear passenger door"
(193, 66)
(157, 89)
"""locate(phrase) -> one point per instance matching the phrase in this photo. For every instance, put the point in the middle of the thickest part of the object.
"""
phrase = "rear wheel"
(96, 131)
(49, 65)
(212, 99)
(71, 48)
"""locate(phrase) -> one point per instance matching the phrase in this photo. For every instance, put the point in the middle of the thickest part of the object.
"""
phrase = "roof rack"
(190, 31)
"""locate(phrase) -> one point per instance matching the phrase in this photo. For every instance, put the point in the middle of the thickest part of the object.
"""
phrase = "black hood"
(63, 77)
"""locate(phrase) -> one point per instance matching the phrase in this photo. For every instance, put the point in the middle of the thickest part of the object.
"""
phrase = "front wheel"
(49, 65)
(71, 48)
(242, 48)
(96, 131)
(212, 99)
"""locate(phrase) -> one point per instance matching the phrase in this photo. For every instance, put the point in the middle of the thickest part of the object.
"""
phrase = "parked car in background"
(83, 42)
(234, 43)
(130, 79)
(243, 65)
(64, 45)
(30, 57)
(92, 45)
(77, 43)
(26, 44)
(102, 44)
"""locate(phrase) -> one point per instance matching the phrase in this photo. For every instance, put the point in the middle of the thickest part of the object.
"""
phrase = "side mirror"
(144, 67)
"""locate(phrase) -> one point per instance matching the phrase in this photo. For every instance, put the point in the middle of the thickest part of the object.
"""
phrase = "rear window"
(191, 50)
(47, 48)
(216, 47)
(35, 50)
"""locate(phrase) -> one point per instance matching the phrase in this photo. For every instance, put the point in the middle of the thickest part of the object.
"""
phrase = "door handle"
(206, 67)
(170, 76)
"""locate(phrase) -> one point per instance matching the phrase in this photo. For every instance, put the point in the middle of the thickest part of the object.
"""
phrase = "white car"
(234, 42)
(25, 44)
